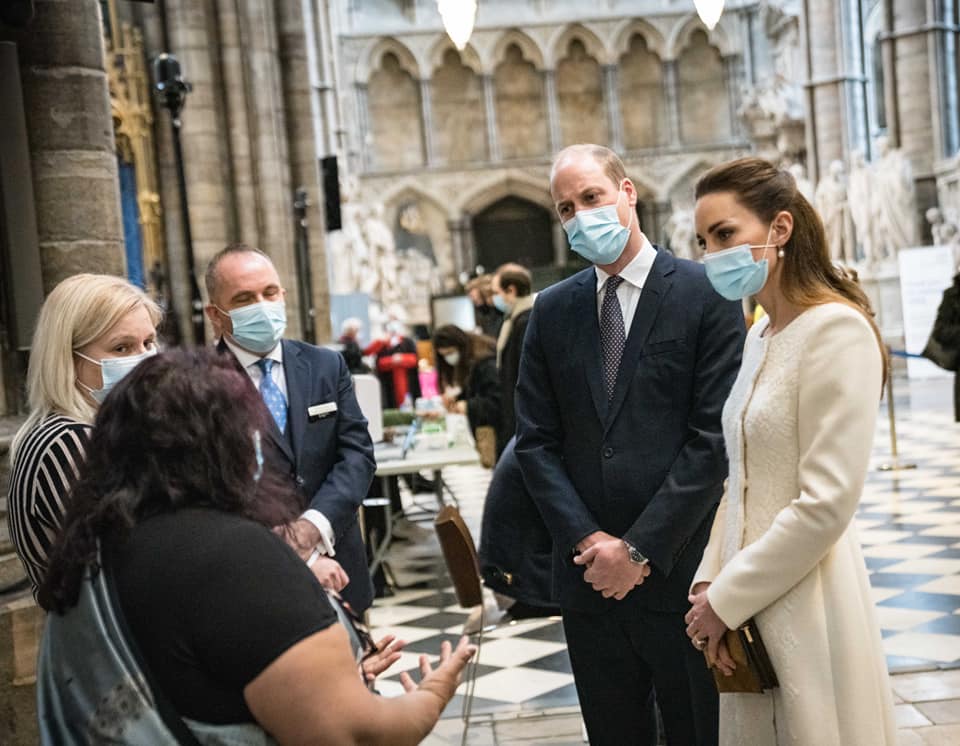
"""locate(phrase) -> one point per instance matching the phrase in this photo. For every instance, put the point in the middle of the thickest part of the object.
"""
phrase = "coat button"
(300, 481)
(608, 452)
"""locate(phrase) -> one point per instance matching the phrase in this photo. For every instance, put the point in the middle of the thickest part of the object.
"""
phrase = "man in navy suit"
(625, 369)
(318, 434)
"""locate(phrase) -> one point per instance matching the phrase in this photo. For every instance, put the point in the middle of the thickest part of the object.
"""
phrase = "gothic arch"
(655, 41)
(371, 59)
(468, 56)
(720, 37)
(646, 189)
(557, 48)
(408, 188)
(513, 183)
(682, 174)
(531, 50)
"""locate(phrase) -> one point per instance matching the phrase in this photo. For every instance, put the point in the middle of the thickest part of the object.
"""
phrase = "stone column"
(269, 146)
(426, 113)
(733, 75)
(363, 124)
(72, 150)
(236, 88)
(671, 95)
(559, 241)
(553, 111)
(304, 164)
(490, 111)
(205, 155)
(612, 95)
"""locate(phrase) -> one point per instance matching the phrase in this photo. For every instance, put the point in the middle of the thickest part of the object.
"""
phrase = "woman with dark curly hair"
(168, 539)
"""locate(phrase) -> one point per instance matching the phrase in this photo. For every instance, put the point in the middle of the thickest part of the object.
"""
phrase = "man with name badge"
(317, 432)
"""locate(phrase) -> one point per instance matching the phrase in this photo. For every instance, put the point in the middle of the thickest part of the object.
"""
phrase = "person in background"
(349, 339)
(317, 434)
(516, 550)
(489, 317)
(946, 332)
(233, 631)
(467, 377)
(92, 331)
(397, 365)
(513, 296)
(799, 425)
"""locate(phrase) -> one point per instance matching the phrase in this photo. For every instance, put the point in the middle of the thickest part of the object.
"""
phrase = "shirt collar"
(636, 271)
(247, 358)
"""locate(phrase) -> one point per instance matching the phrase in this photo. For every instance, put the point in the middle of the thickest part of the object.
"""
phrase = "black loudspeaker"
(16, 13)
(331, 192)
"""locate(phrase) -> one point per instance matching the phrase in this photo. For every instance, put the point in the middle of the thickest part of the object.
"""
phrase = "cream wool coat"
(799, 427)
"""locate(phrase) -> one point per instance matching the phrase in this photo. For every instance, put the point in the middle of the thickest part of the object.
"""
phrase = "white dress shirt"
(634, 277)
(249, 361)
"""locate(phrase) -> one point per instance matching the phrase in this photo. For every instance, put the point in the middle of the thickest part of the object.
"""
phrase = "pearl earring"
(780, 253)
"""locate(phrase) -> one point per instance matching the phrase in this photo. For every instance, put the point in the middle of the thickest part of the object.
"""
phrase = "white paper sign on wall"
(924, 274)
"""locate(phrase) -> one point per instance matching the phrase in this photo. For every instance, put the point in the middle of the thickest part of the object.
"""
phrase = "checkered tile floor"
(909, 524)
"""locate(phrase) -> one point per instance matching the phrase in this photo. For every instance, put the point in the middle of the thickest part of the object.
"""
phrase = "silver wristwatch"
(635, 556)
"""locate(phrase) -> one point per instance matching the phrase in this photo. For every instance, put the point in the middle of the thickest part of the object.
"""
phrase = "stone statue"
(943, 227)
(830, 199)
(860, 200)
(683, 234)
(894, 203)
(799, 174)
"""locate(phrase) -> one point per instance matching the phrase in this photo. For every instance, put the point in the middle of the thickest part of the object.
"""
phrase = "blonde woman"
(798, 427)
(92, 330)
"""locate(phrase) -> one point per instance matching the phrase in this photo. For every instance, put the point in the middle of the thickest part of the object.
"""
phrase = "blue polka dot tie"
(272, 395)
(612, 334)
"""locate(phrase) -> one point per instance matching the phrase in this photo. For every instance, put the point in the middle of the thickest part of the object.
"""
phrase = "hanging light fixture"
(458, 19)
(709, 11)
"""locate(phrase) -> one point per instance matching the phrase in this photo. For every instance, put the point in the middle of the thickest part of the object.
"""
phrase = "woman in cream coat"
(799, 426)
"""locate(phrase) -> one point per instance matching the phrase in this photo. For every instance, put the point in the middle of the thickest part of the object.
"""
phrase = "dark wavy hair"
(177, 432)
(472, 348)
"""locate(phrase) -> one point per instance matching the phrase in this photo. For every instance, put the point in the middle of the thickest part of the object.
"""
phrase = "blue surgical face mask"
(113, 370)
(598, 235)
(734, 273)
(259, 326)
(500, 303)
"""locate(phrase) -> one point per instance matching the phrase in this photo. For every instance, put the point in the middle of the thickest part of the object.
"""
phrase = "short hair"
(483, 284)
(610, 162)
(352, 324)
(516, 276)
(79, 310)
(211, 277)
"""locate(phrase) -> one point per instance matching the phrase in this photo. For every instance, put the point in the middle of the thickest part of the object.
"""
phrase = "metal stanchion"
(894, 464)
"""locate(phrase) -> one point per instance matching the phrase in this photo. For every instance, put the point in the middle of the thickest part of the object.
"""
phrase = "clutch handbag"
(754, 672)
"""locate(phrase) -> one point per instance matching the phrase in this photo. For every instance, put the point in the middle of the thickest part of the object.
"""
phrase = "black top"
(482, 395)
(212, 599)
(509, 372)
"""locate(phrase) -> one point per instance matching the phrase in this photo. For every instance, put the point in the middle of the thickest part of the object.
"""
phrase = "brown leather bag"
(754, 672)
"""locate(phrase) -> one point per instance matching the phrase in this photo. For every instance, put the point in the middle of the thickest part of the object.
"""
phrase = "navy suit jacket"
(650, 465)
(330, 458)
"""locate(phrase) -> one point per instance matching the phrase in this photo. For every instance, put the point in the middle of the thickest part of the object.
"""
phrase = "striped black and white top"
(46, 466)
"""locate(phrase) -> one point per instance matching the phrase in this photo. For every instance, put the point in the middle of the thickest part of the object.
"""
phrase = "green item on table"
(395, 418)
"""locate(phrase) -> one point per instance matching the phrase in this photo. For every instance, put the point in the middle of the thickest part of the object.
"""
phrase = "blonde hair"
(79, 310)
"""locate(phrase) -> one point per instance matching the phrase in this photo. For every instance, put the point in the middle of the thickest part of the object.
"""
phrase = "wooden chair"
(460, 555)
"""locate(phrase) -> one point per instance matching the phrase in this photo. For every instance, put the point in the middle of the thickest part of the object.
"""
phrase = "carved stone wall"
(395, 116)
(641, 96)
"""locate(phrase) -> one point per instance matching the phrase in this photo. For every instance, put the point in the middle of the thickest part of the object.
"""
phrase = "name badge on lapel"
(319, 411)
